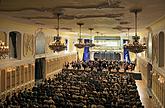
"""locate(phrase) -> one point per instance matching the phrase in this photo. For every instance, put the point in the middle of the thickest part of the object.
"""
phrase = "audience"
(81, 89)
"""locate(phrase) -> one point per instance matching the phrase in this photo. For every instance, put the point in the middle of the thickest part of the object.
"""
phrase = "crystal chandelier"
(135, 47)
(80, 43)
(57, 45)
(4, 50)
(90, 44)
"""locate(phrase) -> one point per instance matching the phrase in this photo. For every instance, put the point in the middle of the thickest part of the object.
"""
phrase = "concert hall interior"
(82, 54)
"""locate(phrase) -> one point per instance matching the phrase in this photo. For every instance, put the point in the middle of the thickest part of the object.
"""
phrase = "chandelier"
(135, 47)
(57, 45)
(90, 44)
(80, 43)
(4, 50)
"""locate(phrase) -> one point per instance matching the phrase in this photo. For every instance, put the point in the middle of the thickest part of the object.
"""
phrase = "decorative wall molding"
(54, 56)
(3, 37)
(102, 5)
(28, 45)
(14, 62)
(40, 56)
(158, 92)
(71, 17)
(159, 70)
(154, 66)
(155, 49)
(156, 101)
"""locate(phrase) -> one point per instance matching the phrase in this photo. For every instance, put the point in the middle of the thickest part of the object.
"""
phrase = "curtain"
(86, 54)
(13, 44)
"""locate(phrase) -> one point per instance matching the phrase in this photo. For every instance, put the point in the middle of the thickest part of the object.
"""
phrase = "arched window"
(161, 49)
(149, 46)
(40, 43)
(15, 45)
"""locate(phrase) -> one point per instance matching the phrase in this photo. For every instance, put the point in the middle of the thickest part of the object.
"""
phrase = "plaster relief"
(155, 49)
(3, 37)
(28, 47)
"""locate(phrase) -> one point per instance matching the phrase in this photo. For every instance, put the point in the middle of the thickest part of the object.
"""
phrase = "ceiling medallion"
(135, 46)
(4, 50)
(57, 45)
(124, 22)
(120, 28)
(90, 44)
(80, 43)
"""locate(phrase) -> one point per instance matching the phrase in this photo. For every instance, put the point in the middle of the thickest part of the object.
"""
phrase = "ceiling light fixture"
(80, 43)
(135, 47)
(4, 50)
(57, 45)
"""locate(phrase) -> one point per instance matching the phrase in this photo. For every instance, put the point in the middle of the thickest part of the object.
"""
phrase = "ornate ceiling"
(106, 16)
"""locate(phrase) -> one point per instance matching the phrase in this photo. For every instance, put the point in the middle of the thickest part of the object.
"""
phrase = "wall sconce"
(154, 74)
(4, 50)
(33, 64)
(25, 66)
(9, 69)
(161, 79)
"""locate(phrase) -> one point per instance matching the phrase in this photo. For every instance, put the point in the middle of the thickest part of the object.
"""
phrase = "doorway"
(15, 45)
(40, 69)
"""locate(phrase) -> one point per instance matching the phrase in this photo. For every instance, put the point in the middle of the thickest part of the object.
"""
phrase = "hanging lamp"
(57, 45)
(135, 46)
(4, 50)
(80, 43)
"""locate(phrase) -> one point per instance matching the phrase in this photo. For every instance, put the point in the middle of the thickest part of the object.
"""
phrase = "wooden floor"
(146, 101)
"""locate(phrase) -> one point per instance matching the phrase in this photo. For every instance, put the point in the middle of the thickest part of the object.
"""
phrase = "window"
(150, 46)
(15, 45)
(40, 43)
(161, 49)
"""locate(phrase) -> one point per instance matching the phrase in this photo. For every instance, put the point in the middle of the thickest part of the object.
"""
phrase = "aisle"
(146, 101)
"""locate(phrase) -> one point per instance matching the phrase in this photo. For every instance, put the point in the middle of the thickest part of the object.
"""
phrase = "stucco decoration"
(40, 43)
(149, 46)
(49, 40)
(155, 49)
(28, 47)
(3, 36)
